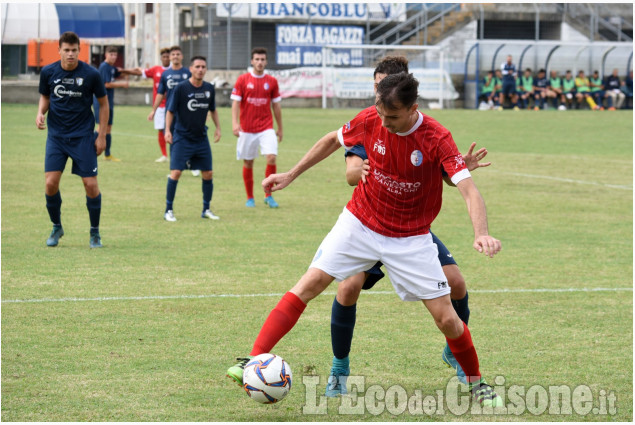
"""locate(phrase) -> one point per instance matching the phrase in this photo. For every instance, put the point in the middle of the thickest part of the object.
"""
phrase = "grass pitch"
(144, 329)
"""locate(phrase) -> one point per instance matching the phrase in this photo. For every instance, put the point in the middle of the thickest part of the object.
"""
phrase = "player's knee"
(348, 290)
(175, 174)
(449, 324)
(312, 284)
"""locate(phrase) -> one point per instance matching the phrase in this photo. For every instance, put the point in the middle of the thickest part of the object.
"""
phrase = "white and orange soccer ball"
(267, 378)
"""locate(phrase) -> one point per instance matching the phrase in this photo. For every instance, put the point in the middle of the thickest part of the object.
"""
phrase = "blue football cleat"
(336, 384)
(448, 359)
(271, 202)
(250, 203)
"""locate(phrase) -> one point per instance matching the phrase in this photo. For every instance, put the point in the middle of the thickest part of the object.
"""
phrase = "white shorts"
(159, 119)
(412, 262)
(248, 143)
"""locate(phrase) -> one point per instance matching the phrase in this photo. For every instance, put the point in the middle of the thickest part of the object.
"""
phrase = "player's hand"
(472, 159)
(40, 121)
(236, 130)
(100, 144)
(151, 116)
(217, 135)
(487, 245)
(276, 182)
(279, 134)
(365, 169)
(167, 135)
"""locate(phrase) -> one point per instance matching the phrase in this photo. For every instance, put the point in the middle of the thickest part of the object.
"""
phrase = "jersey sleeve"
(275, 91)
(452, 160)
(237, 91)
(99, 90)
(147, 73)
(212, 100)
(353, 132)
(173, 104)
(162, 85)
(44, 88)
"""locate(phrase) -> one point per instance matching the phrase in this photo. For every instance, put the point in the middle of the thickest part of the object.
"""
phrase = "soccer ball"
(562, 108)
(267, 378)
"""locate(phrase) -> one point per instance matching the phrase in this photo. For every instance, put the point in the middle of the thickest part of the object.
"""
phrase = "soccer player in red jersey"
(254, 95)
(406, 150)
(155, 73)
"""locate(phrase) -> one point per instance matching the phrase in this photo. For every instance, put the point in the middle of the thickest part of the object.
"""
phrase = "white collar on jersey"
(414, 127)
(257, 76)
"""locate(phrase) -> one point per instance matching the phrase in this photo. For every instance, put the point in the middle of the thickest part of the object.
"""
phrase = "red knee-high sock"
(280, 321)
(162, 143)
(248, 178)
(465, 353)
(271, 169)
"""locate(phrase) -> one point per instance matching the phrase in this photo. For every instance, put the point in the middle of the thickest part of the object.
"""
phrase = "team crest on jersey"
(347, 127)
(459, 161)
(184, 75)
(416, 157)
(207, 93)
(266, 86)
(79, 81)
(250, 86)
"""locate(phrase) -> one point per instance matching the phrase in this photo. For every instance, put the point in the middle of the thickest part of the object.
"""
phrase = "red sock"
(465, 353)
(280, 321)
(271, 169)
(248, 178)
(162, 143)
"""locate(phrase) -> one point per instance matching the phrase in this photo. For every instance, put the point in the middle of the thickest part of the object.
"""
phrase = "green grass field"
(144, 329)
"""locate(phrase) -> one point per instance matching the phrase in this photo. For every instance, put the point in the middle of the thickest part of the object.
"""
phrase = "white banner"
(355, 83)
(302, 11)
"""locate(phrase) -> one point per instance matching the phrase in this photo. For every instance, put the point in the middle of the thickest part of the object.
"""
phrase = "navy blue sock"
(94, 210)
(108, 144)
(342, 326)
(462, 309)
(208, 190)
(54, 207)
(171, 191)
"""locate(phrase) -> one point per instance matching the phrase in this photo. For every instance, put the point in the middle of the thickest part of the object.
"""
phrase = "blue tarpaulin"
(92, 20)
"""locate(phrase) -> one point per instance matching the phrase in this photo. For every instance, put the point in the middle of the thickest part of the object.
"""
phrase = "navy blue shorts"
(509, 87)
(194, 155)
(80, 149)
(96, 111)
(375, 274)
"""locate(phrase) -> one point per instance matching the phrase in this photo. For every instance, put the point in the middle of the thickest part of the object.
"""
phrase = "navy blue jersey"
(71, 96)
(506, 68)
(612, 82)
(190, 106)
(541, 82)
(169, 79)
(108, 74)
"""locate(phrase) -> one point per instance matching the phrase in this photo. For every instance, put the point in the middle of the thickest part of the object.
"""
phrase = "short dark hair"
(198, 58)
(173, 48)
(391, 65)
(258, 51)
(164, 50)
(528, 70)
(395, 89)
(69, 37)
(110, 49)
(541, 70)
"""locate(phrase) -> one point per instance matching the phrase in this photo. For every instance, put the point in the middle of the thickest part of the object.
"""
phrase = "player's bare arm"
(42, 109)
(122, 84)
(321, 150)
(216, 121)
(483, 242)
(155, 106)
(167, 134)
(277, 113)
(356, 169)
(104, 115)
(235, 118)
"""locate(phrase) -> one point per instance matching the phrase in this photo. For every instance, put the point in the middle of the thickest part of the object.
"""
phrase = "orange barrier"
(49, 52)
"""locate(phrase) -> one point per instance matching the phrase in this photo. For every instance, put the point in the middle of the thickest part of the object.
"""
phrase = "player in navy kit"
(190, 103)
(66, 93)
(109, 73)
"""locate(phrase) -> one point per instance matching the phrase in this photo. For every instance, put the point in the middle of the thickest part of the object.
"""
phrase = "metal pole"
(442, 79)
(229, 35)
(323, 77)
(482, 31)
(193, 5)
(537, 29)
(249, 30)
(210, 38)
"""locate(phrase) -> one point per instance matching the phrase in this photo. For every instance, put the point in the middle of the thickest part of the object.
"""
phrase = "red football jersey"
(403, 192)
(155, 73)
(255, 94)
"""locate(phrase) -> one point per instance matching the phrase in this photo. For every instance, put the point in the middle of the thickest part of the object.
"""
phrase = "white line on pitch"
(182, 297)
(562, 179)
